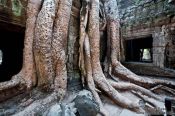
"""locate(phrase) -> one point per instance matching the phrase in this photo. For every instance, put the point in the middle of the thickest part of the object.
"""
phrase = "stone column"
(159, 43)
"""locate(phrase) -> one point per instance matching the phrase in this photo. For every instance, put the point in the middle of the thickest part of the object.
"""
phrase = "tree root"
(130, 86)
(115, 95)
(27, 74)
(97, 73)
(28, 68)
(15, 81)
(146, 99)
(89, 77)
(125, 74)
(38, 106)
(42, 43)
(59, 46)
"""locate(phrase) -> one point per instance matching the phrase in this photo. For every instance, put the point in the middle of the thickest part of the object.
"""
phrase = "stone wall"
(13, 12)
(147, 18)
(159, 43)
(147, 14)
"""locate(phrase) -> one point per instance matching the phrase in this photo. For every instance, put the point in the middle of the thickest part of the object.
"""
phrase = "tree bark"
(98, 75)
(89, 76)
(59, 46)
(27, 74)
(28, 70)
(42, 43)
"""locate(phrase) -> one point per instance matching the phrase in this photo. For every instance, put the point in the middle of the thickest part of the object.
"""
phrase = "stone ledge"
(149, 69)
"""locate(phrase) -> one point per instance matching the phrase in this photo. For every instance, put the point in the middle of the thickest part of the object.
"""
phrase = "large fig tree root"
(45, 55)
(38, 106)
(95, 78)
(44, 63)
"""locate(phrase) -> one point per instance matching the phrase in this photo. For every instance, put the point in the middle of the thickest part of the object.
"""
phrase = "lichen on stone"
(3, 2)
(17, 7)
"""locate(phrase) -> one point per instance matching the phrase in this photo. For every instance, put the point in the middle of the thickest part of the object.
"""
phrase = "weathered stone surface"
(55, 110)
(159, 42)
(60, 110)
(145, 13)
(149, 18)
(9, 112)
(130, 113)
(67, 110)
(148, 69)
(85, 104)
(139, 18)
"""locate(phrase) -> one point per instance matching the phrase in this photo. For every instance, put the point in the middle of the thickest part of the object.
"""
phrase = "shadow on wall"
(11, 47)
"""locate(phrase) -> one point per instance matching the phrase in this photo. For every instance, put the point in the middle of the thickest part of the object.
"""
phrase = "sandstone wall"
(13, 12)
(147, 18)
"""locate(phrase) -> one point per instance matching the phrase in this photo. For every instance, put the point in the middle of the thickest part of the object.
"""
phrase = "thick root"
(89, 78)
(85, 58)
(83, 25)
(125, 74)
(12, 88)
(38, 106)
(130, 86)
(172, 91)
(115, 95)
(15, 81)
(60, 83)
(98, 76)
(28, 69)
(42, 43)
(146, 99)
(59, 46)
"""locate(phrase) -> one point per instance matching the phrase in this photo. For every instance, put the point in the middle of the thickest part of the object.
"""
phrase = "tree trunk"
(59, 46)
(28, 70)
(42, 43)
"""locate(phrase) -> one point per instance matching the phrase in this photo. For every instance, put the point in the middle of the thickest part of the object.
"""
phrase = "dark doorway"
(139, 50)
(11, 47)
(103, 46)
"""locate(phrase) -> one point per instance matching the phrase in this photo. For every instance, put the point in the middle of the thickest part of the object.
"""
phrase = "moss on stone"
(17, 7)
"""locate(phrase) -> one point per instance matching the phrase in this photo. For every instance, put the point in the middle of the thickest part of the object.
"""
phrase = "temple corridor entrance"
(11, 47)
(139, 50)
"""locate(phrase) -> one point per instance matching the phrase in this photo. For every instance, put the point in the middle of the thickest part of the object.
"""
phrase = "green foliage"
(16, 7)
